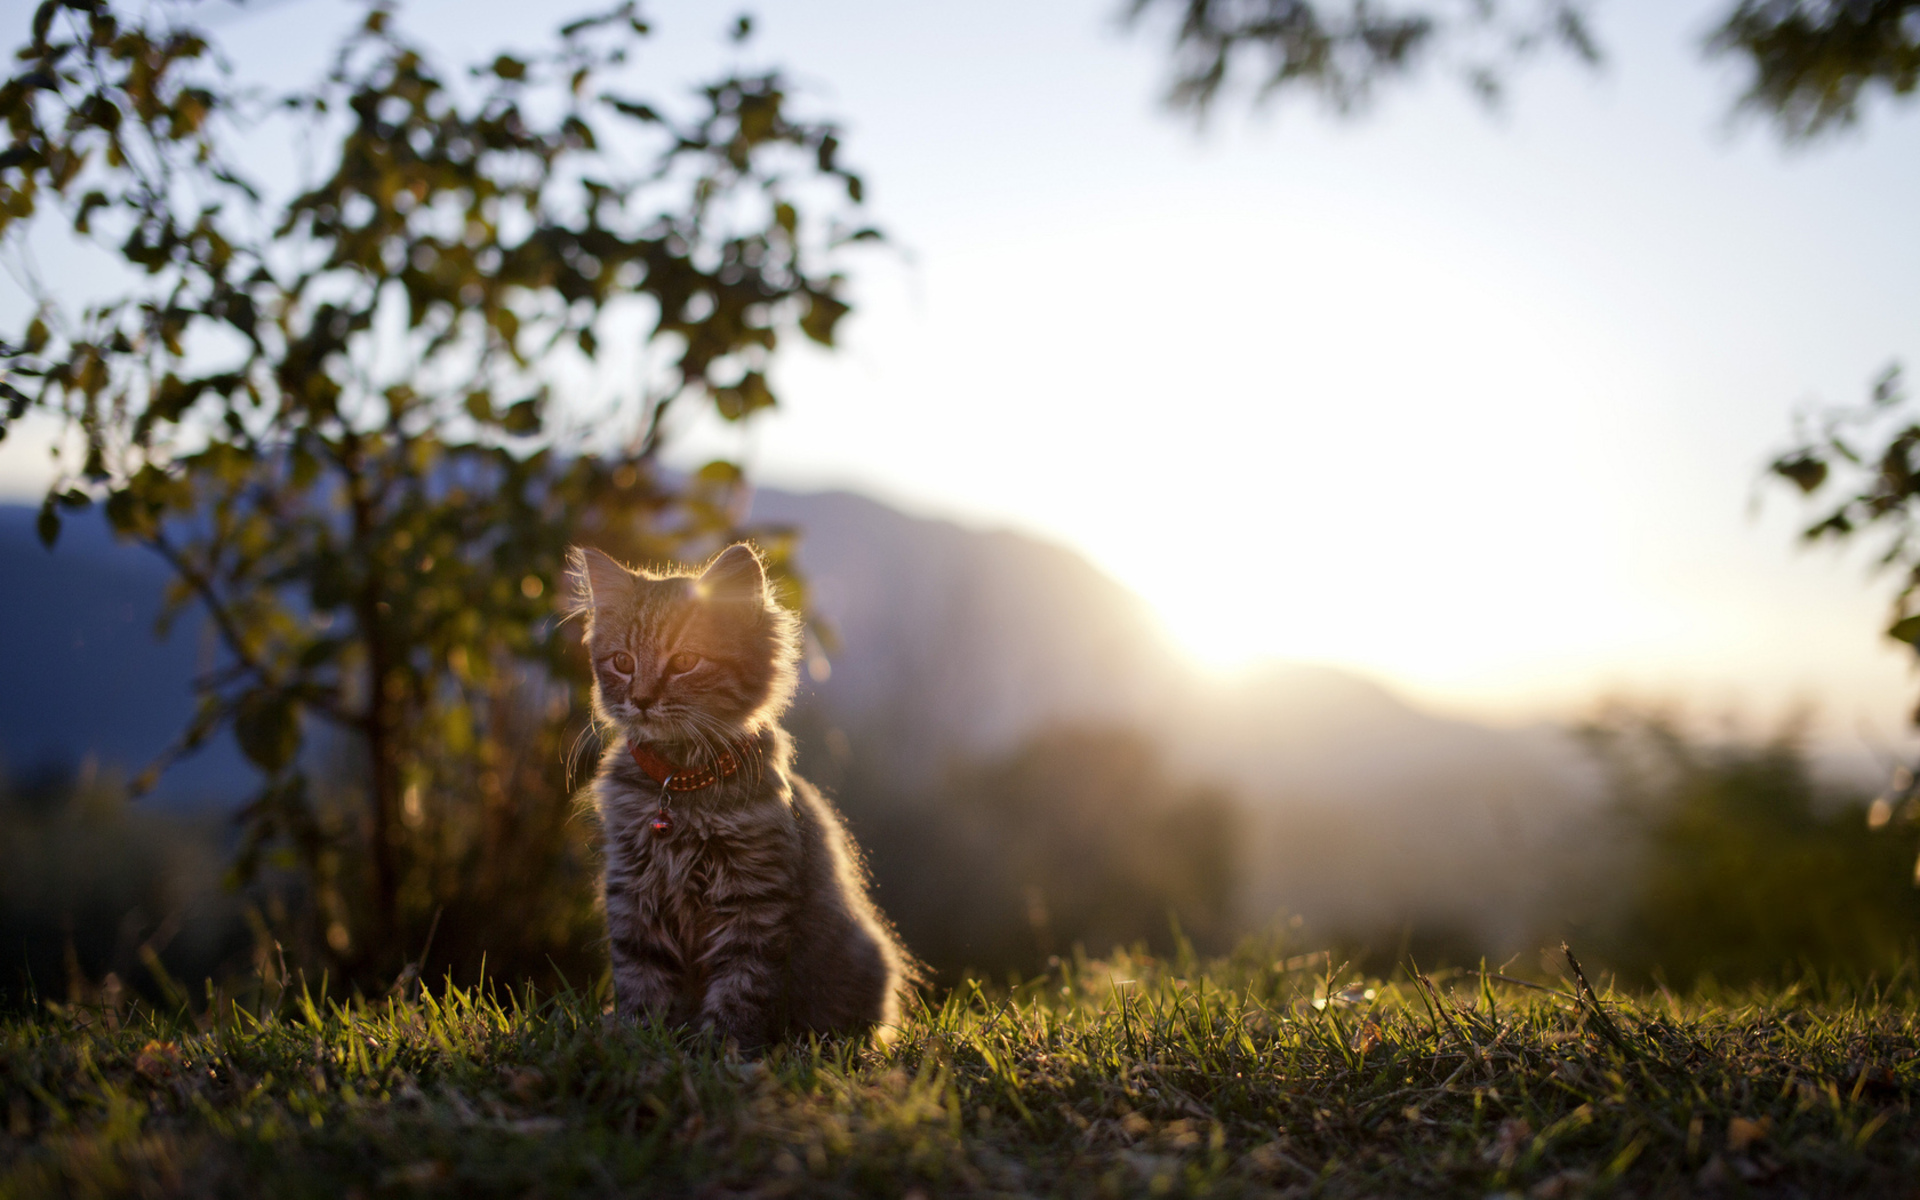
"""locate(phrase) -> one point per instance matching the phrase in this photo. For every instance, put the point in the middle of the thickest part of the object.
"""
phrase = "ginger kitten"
(735, 899)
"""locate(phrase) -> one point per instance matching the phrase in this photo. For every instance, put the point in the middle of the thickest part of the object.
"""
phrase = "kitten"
(735, 899)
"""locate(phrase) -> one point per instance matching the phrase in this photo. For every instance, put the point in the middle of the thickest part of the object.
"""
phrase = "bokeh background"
(1351, 525)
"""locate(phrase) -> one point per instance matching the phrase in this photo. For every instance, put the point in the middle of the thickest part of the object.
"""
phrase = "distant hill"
(951, 643)
(965, 640)
(959, 640)
(956, 642)
(81, 674)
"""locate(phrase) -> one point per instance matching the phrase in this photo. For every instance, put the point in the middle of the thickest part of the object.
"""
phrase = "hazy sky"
(1475, 403)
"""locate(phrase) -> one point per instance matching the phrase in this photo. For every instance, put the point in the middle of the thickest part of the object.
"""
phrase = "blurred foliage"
(102, 898)
(1738, 867)
(1079, 837)
(1868, 455)
(1340, 50)
(1812, 62)
(332, 415)
(1815, 61)
(99, 898)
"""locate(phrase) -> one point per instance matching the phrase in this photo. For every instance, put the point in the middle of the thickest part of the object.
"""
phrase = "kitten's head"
(694, 659)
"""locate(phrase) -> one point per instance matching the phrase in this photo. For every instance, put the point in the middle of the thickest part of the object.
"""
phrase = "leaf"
(43, 19)
(523, 417)
(319, 652)
(122, 515)
(267, 725)
(328, 581)
(48, 526)
(303, 467)
(823, 313)
(1886, 389)
(743, 399)
(1906, 630)
(1802, 469)
(634, 109)
(83, 219)
(17, 401)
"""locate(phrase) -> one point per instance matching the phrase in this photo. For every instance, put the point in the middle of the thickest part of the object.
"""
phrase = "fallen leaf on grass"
(1744, 1131)
(157, 1060)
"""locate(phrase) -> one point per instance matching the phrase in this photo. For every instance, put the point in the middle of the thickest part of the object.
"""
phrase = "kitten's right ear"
(596, 578)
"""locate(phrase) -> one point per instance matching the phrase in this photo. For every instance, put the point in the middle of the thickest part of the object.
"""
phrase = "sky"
(1475, 403)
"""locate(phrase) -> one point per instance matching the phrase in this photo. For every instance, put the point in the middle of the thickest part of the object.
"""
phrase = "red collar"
(684, 779)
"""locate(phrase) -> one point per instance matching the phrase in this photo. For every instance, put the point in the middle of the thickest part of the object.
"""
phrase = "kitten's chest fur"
(728, 855)
(706, 862)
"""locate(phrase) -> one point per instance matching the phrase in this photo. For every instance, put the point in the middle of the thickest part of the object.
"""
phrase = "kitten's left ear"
(735, 575)
(596, 578)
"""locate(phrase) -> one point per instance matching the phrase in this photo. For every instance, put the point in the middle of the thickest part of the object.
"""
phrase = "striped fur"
(750, 915)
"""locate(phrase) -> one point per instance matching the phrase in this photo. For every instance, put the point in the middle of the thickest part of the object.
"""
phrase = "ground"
(1253, 1076)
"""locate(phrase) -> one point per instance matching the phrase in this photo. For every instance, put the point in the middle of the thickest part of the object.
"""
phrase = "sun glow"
(1354, 443)
(1391, 462)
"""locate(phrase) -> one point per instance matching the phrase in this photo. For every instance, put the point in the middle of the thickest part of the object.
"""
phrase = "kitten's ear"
(735, 575)
(596, 578)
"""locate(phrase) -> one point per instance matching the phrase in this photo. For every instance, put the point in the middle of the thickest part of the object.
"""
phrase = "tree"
(1342, 51)
(1739, 865)
(331, 413)
(1814, 63)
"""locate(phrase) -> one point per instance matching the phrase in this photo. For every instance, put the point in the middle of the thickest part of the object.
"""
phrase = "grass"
(1125, 1077)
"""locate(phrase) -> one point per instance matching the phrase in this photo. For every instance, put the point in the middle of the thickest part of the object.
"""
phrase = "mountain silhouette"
(940, 643)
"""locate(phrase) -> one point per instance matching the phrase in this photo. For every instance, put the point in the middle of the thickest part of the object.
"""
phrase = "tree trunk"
(380, 724)
(384, 785)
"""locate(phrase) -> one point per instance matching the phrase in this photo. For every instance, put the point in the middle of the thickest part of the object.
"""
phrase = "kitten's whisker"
(708, 748)
(709, 732)
(590, 729)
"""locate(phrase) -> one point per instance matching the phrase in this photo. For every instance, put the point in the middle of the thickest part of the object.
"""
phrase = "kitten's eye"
(683, 662)
(622, 662)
